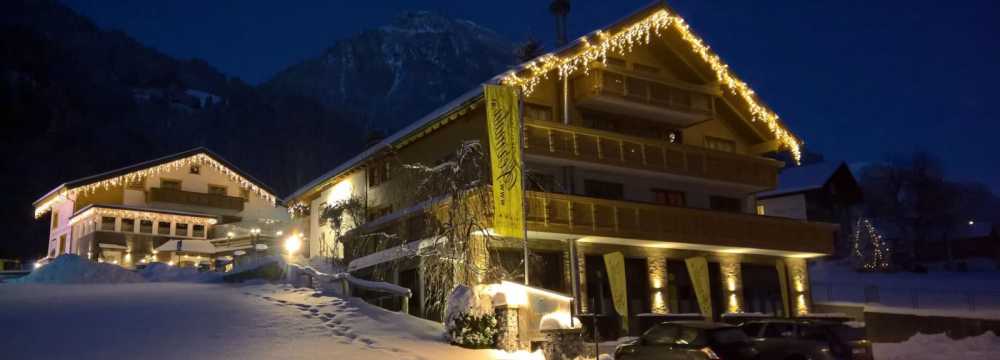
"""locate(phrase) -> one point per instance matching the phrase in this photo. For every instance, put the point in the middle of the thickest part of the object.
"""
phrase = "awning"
(190, 246)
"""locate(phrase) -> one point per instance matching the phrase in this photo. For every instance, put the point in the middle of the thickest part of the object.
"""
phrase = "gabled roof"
(122, 175)
(620, 36)
(803, 178)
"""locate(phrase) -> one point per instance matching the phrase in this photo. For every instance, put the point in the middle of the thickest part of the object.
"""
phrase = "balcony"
(196, 199)
(571, 214)
(596, 146)
(679, 104)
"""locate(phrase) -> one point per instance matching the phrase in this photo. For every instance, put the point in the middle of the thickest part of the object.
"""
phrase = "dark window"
(752, 329)
(170, 184)
(217, 190)
(198, 231)
(645, 68)
(669, 197)
(107, 223)
(378, 212)
(146, 226)
(128, 225)
(728, 204)
(604, 189)
(779, 330)
(163, 228)
(55, 219)
(537, 112)
(541, 182)
(378, 173)
(181, 229)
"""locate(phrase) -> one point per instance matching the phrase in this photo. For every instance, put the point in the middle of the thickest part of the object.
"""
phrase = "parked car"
(807, 339)
(689, 340)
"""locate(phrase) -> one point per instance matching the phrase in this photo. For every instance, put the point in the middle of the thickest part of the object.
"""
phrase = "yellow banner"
(615, 264)
(783, 282)
(503, 112)
(698, 270)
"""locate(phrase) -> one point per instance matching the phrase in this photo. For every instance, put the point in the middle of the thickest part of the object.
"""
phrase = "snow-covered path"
(208, 321)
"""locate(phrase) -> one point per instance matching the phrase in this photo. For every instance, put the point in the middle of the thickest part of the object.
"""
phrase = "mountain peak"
(427, 22)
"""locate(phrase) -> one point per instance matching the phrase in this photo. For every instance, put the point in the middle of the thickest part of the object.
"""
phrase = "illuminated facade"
(638, 140)
(183, 209)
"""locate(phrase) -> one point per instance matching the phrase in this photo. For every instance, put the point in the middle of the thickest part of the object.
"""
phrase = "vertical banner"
(783, 283)
(698, 270)
(615, 264)
(504, 127)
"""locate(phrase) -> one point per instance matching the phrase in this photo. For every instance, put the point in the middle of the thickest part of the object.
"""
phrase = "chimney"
(560, 8)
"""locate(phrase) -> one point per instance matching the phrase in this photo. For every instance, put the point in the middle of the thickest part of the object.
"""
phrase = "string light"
(143, 215)
(879, 260)
(639, 33)
(138, 175)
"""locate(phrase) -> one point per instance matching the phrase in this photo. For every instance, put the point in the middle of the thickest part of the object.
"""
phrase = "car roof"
(707, 325)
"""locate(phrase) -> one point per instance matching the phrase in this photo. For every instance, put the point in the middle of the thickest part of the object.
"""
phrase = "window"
(55, 219)
(727, 204)
(181, 229)
(378, 173)
(198, 231)
(779, 330)
(537, 112)
(760, 209)
(217, 190)
(378, 212)
(604, 189)
(715, 143)
(195, 169)
(170, 184)
(62, 244)
(107, 223)
(146, 226)
(128, 225)
(669, 197)
(163, 228)
(538, 181)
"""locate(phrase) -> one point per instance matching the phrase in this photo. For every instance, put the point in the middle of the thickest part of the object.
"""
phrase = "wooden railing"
(645, 90)
(560, 213)
(194, 198)
(579, 143)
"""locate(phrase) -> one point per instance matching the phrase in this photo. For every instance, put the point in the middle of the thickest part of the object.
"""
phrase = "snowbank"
(73, 269)
(160, 272)
(940, 346)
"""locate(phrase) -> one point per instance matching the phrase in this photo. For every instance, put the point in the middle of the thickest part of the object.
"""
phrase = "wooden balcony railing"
(196, 199)
(572, 214)
(602, 85)
(604, 147)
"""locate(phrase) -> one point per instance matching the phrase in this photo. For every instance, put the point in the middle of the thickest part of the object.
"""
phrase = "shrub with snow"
(469, 318)
(73, 269)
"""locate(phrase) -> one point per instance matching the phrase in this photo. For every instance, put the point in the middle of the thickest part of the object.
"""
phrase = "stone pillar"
(507, 326)
(657, 267)
(798, 276)
(732, 283)
(563, 344)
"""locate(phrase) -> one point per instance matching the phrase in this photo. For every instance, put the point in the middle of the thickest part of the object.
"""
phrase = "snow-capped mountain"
(392, 75)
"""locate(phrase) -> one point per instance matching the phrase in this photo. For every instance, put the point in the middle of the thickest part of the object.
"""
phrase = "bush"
(474, 331)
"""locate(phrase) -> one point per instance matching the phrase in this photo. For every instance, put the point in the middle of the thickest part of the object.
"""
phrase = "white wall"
(322, 236)
(791, 206)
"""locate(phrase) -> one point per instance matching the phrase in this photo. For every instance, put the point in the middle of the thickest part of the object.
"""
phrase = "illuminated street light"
(293, 244)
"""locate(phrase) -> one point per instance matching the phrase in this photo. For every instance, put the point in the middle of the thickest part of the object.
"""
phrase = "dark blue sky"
(855, 79)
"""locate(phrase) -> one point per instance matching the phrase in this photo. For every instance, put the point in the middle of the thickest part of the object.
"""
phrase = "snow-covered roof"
(143, 209)
(194, 246)
(803, 178)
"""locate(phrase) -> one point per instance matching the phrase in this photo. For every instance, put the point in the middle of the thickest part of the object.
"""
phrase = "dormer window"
(195, 169)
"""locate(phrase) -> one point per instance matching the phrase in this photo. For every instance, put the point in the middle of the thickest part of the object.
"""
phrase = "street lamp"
(293, 244)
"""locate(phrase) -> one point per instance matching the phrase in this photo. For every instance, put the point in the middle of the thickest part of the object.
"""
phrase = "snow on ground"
(211, 321)
(160, 272)
(73, 269)
(939, 346)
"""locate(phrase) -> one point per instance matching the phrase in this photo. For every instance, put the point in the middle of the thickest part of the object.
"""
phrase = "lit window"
(760, 209)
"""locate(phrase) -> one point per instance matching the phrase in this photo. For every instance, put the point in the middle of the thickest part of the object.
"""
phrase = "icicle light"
(98, 212)
(640, 33)
(135, 176)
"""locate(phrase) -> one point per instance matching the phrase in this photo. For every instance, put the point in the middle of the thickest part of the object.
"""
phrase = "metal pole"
(574, 275)
(524, 179)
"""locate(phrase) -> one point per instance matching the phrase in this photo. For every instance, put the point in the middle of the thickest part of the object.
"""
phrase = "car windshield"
(730, 336)
(847, 333)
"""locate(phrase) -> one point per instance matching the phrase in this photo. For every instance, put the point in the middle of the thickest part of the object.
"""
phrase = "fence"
(976, 301)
